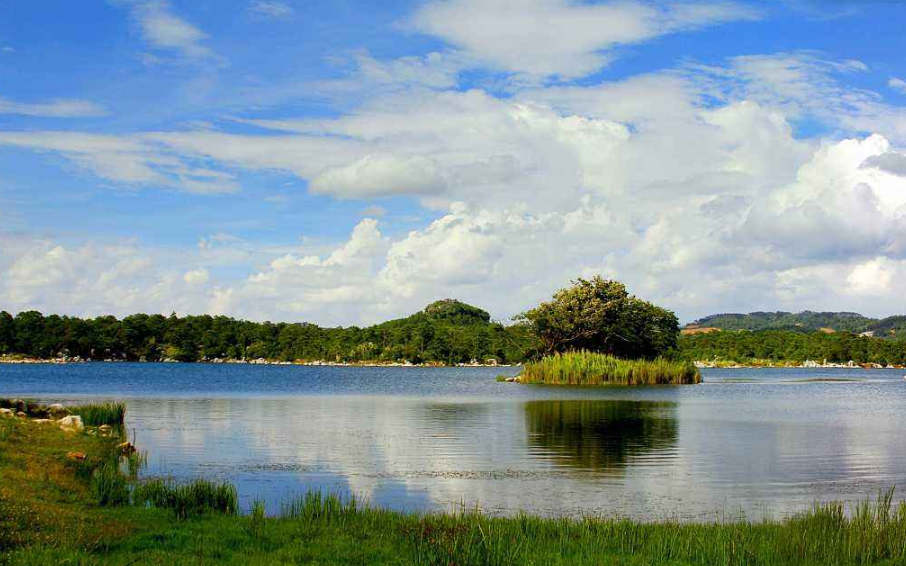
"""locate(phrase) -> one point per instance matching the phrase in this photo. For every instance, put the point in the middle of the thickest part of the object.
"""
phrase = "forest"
(792, 346)
(446, 331)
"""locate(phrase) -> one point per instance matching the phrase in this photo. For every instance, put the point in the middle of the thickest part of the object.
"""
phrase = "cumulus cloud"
(837, 208)
(381, 175)
(93, 279)
(834, 237)
(563, 38)
(61, 108)
(689, 184)
(196, 277)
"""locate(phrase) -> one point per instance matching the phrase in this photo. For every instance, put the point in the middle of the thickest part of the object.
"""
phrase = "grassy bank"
(588, 368)
(51, 513)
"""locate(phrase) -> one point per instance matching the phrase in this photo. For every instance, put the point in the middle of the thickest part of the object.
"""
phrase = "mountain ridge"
(803, 321)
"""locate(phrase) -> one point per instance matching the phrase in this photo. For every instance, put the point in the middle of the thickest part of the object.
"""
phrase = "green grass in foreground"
(96, 414)
(50, 516)
(588, 368)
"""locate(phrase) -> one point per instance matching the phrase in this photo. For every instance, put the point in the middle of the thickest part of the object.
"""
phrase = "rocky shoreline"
(55, 414)
(256, 361)
(716, 364)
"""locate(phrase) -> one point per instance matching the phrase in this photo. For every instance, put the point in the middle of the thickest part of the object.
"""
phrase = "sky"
(348, 162)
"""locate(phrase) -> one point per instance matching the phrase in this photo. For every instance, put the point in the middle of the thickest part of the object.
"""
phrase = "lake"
(759, 442)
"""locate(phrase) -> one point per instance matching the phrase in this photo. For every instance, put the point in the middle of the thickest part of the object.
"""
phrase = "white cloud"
(129, 161)
(164, 30)
(871, 278)
(61, 108)
(562, 38)
(8, 49)
(93, 279)
(689, 184)
(897, 84)
(380, 175)
(278, 10)
(837, 208)
(196, 277)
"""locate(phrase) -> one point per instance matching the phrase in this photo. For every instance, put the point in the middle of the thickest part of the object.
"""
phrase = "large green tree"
(601, 316)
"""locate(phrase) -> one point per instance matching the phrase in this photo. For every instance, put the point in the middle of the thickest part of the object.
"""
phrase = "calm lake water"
(754, 442)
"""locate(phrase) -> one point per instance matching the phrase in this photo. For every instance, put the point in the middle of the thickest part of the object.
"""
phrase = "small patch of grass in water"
(189, 499)
(590, 368)
(97, 414)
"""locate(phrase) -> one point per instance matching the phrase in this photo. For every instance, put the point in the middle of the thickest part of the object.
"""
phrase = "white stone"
(71, 423)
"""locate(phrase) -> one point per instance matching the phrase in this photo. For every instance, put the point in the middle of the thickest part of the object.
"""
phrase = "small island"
(595, 333)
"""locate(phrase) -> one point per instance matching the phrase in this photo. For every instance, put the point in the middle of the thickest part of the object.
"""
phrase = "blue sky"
(345, 162)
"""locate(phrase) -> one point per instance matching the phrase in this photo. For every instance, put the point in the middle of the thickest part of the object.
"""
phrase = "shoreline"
(17, 360)
(701, 364)
(775, 364)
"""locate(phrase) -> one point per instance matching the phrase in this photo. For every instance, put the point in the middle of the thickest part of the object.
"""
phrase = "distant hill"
(805, 321)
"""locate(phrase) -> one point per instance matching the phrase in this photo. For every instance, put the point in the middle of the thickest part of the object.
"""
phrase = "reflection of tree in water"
(599, 435)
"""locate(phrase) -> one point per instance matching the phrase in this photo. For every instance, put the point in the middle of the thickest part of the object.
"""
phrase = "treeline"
(784, 345)
(448, 332)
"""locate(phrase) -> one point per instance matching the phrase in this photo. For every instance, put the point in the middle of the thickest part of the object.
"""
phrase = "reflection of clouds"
(710, 448)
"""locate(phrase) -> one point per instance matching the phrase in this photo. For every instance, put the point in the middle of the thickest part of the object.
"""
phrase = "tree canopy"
(599, 315)
(446, 331)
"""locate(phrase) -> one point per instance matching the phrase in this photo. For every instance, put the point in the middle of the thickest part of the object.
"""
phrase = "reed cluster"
(870, 532)
(189, 499)
(97, 414)
(589, 368)
(109, 487)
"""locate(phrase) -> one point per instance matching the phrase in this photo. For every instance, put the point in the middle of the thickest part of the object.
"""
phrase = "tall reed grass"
(109, 487)
(189, 499)
(589, 368)
(871, 532)
(97, 414)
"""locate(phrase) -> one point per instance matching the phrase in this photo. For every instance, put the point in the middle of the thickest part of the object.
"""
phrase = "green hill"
(805, 321)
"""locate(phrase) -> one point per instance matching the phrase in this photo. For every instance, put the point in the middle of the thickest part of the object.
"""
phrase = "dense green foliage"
(49, 516)
(446, 331)
(599, 315)
(783, 345)
(807, 321)
(589, 368)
